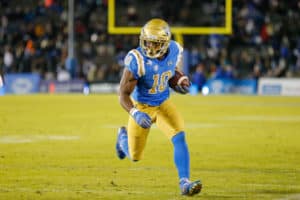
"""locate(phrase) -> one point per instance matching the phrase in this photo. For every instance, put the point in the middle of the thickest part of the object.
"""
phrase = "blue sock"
(124, 144)
(181, 155)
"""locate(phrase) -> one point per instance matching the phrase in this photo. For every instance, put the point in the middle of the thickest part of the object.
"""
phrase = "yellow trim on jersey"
(140, 62)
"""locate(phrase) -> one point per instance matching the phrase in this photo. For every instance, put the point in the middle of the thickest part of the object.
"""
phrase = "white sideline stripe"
(254, 118)
(59, 190)
(14, 139)
(289, 118)
(291, 197)
(187, 125)
(271, 185)
(203, 125)
(248, 104)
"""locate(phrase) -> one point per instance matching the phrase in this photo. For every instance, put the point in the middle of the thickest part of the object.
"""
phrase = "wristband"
(133, 111)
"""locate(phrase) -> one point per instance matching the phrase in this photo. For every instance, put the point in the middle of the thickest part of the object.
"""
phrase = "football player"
(144, 94)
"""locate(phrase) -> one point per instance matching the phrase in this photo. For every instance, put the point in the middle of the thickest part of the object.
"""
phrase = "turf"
(62, 147)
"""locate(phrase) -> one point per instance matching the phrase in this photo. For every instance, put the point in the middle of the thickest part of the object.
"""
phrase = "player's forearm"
(127, 85)
(126, 102)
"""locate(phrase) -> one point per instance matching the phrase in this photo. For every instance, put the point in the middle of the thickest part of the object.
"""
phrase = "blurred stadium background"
(242, 115)
(261, 43)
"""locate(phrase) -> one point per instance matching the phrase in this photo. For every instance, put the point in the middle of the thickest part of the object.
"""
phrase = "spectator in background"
(228, 72)
(37, 36)
(63, 74)
(8, 60)
(132, 15)
(199, 78)
(1, 75)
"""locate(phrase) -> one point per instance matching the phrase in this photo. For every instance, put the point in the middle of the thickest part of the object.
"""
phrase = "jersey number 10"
(160, 82)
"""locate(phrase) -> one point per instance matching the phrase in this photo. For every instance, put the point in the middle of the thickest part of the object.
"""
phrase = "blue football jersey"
(152, 74)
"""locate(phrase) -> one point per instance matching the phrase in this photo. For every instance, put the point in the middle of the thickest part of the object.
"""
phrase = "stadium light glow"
(205, 90)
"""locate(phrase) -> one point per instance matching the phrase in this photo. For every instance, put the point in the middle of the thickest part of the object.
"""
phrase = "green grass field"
(62, 147)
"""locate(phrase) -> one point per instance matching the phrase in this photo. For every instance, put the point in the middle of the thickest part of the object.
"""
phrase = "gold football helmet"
(155, 38)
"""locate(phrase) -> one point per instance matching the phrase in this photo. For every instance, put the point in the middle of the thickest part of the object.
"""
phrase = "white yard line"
(14, 139)
(187, 125)
(248, 104)
(291, 197)
(59, 190)
(289, 118)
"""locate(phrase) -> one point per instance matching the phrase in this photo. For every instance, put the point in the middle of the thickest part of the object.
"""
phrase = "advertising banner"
(104, 87)
(279, 86)
(223, 86)
(21, 83)
(71, 86)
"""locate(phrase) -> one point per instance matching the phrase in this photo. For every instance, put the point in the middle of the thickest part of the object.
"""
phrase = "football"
(178, 79)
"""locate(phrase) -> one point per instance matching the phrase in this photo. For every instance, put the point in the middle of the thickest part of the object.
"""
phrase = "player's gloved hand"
(141, 118)
(183, 85)
(182, 89)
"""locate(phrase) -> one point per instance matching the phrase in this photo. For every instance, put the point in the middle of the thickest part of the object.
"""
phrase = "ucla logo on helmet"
(152, 37)
(167, 31)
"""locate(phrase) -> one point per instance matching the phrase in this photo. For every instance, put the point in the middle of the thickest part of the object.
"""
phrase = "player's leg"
(122, 143)
(132, 143)
(137, 137)
(172, 124)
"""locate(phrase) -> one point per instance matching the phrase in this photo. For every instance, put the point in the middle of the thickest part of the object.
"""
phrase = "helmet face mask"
(153, 49)
(155, 38)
